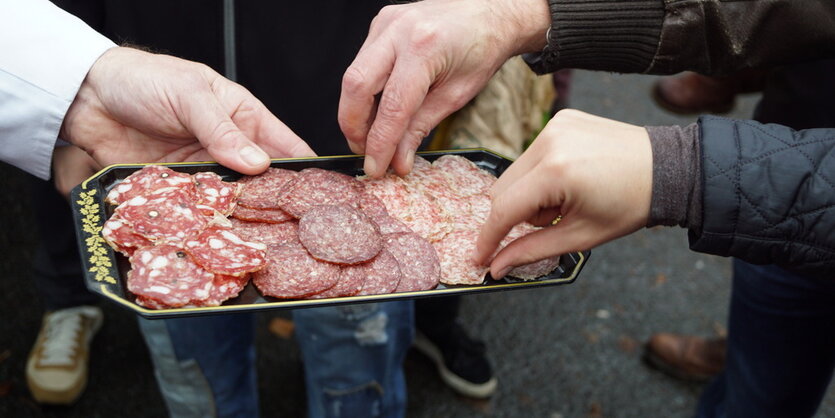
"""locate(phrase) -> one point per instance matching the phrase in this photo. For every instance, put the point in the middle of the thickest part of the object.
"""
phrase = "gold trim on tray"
(96, 248)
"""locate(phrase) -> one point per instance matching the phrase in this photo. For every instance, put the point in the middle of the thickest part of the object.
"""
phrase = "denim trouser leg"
(205, 366)
(781, 346)
(353, 357)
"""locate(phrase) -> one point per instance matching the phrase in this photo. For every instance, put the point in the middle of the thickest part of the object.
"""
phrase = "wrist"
(526, 22)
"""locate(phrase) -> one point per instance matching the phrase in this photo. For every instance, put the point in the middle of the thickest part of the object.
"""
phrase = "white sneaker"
(57, 367)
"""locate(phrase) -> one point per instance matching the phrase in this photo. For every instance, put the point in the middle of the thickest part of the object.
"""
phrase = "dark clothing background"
(299, 81)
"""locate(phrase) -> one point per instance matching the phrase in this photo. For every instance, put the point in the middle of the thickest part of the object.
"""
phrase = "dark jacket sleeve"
(668, 36)
(768, 194)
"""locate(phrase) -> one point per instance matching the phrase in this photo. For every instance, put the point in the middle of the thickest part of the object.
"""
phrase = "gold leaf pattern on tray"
(91, 225)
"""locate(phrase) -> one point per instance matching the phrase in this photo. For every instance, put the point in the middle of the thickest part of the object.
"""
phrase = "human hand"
(140, 107)
(594, 172)
(70, 166)
(425, 60)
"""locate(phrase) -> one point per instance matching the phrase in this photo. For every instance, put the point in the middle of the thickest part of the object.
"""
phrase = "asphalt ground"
(566, 351)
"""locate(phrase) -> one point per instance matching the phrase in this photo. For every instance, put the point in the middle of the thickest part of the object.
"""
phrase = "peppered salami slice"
(121, 236)
(167, 274)
(455, 252)
(266, 233)
(376, 210)
(259, 192)
(273, 216)
(215, 193)
(315, 186)
(219, 250)
(382, 274)
(162, 216)
(339, 234)
(149, 180)
(418, 261)
(292, 273)
(464, 176)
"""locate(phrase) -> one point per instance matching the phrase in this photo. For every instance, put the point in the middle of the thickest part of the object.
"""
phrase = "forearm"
(46, 54)
(660, 37)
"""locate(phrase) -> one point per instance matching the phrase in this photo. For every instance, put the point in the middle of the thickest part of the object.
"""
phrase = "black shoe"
(461, 362)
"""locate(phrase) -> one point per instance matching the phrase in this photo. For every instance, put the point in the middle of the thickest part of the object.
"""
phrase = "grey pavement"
(569, 351)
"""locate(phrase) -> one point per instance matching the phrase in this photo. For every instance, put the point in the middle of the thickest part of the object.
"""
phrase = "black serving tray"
(106, 270)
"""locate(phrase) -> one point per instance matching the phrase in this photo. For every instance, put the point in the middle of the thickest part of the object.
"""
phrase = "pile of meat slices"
(195, 240)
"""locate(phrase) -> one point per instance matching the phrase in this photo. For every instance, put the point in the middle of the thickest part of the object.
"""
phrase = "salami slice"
(225, 288)
(292, 273)
(121, 236)
(376, 210)
(315, 186)
(382, 275)
(162, 216)
(273, 216)
(425, 217)
(339, 234)
(350, 283)
(219, 250)
(149, 180)
(260, 192)
(418, 261)
(167, 274)
(533, 270)
(464, 176)
(455, 252)
(266, 234)
(215, 193)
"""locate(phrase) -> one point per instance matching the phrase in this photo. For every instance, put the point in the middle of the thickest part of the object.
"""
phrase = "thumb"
(220, 136)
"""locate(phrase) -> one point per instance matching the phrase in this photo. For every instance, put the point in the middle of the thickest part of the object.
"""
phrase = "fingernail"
(503, 272)
(370, 166)
(410, 160)
(253, 156)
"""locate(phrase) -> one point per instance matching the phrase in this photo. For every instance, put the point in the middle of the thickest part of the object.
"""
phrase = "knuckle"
(353, 80)
(391, 105)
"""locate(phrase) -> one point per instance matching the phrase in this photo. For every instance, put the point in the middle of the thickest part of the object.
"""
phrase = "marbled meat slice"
(533, 270)
(292, 273)
(218, 250)
(376, 210)
(265, 233)
(339, 234)
(168, 275)
(419, 264)
(215, 193)
(225, 288)
(260, 192)
(455, 252)
(162, 216)
(273, 216)
(424, 216)
(121, 236)
(382, 274)
(423, 172)
(464, 176)
(148, 180)
(315, 186)
(349, 283)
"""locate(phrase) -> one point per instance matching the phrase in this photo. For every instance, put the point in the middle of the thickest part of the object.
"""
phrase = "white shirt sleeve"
(45, 53)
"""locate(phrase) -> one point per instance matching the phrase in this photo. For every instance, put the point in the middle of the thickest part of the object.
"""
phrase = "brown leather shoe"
(691, 93)
(686, 357)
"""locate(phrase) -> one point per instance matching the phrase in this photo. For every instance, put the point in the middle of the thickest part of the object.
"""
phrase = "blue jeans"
(781, 346)
(353, 355)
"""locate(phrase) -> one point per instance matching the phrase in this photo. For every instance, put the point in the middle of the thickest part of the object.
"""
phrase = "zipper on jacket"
(230, 62)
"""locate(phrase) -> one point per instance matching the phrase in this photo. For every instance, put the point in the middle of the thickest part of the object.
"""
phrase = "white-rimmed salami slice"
(292, 273)
(219, 250)
(266, 234)
(149, 180)
(273, 216)
(215, 193)
(167, 274)
(455, 252)
(339, 234)
(260, 192)
(464, 176)
(121, 236)
(162, 216)
(382, 274)
(418, 261)
(315, 186)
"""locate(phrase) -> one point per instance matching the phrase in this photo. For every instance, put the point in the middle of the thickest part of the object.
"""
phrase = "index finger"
(516, 204)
